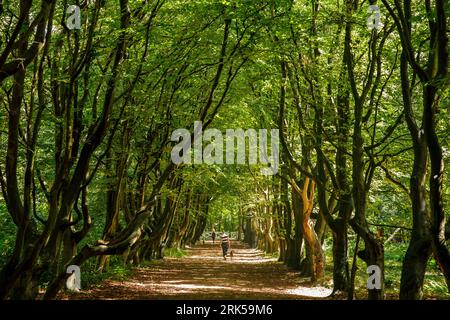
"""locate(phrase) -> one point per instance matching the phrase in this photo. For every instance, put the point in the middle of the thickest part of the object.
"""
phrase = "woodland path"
(203, 274)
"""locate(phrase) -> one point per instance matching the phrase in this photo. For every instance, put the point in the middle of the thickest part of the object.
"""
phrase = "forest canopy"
(91, 92)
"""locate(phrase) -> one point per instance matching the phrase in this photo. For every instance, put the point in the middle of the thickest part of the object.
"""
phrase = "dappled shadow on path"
(205, 275)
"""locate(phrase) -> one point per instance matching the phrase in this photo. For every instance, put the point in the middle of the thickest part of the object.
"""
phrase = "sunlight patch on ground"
(255, 261)
(235, 259)
(250, 260)
(173, 281)
(316, 292)
(191, 286)
(250, 256)
(139, 284)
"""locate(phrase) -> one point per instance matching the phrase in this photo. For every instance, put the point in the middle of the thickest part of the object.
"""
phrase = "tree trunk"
(419, 248)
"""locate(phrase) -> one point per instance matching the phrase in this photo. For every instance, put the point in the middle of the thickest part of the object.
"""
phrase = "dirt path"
(205, 275)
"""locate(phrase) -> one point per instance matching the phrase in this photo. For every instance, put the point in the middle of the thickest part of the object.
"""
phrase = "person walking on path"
(213, 235)
(225, 244)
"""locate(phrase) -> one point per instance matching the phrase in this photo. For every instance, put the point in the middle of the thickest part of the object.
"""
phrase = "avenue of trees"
(86, 118)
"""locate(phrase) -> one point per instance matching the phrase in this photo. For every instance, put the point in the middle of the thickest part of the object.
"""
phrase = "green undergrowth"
(273, 255)
(175, 252)
(394, 252)
(434, 282)
(115, 271)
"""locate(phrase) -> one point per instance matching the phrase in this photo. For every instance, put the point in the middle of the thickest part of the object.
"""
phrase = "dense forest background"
(86, 117)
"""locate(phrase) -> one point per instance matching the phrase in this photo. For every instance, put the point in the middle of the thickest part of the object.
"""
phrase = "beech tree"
(87, 118)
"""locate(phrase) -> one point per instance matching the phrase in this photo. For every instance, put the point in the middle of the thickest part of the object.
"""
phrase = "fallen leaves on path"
(203, 274)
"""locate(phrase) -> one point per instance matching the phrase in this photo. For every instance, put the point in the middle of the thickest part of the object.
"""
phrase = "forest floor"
(203, 274)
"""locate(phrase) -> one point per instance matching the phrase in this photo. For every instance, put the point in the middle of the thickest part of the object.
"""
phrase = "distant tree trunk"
(419, 248)
(317, 258)
(295, 257)
(338, 225)
(249, 232)
(291, 238)
(426, 228)
(115, 193)
(373, 254)
(436, 181)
